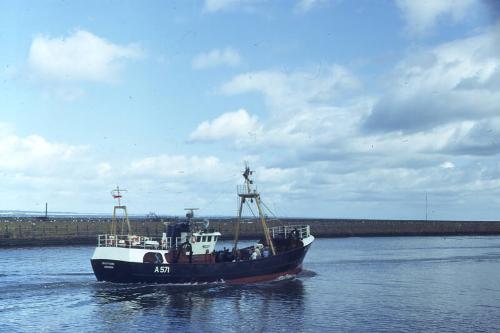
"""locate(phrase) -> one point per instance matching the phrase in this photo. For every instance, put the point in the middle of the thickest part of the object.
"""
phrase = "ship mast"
(190, 217)
(249, 191)
(117, 194)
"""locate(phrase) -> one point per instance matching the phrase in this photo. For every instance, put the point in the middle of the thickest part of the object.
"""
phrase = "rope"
(270, 211)
(250, 209)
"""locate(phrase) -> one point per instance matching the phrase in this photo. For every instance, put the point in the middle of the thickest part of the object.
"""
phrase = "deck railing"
(138, 242)
(243, 190)
(290, 231)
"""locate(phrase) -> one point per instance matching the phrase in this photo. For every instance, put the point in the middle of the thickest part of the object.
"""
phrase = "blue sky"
(343, 108)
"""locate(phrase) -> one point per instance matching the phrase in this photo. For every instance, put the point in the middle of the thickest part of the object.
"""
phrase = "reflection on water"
(427, 284)
(204, 307)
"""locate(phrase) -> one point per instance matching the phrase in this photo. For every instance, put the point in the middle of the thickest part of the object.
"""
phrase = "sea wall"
(73, 231)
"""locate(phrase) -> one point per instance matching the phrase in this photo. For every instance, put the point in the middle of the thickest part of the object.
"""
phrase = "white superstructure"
(132, 248)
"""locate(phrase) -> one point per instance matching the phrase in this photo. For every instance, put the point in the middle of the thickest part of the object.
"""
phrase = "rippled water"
(351, 284)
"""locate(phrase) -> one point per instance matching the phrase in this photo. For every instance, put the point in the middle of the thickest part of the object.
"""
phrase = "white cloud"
(455, 81)
(34, 170)
(218, 5)
(479, 138)
(275, 175)
(189, 170)
(216, 58)
(236, 125)
(104, 169)
(309, 109)
(303, 6)
(295, 90)
(314, 143)
(34, 155)
(447, 165)
(300, 103)
(68, 93)
(81, 56)
(213, 6)
(422, 15)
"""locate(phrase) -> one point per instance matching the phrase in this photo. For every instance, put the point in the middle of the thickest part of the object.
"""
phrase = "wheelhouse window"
(209, 238)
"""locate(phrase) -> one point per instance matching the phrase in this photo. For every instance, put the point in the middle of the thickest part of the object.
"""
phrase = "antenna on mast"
(117, 194)
(190, 217)
(247, 173)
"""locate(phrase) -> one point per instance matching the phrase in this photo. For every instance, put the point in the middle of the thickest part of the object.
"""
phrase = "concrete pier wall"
(67, 231)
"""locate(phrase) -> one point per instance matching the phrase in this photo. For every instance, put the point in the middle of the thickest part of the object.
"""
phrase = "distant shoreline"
(58, 231)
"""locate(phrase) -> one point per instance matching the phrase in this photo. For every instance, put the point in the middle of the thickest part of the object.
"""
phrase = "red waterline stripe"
(266, 277)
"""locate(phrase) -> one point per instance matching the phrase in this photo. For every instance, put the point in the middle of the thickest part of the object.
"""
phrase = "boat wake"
(286, 277)
(307, 273)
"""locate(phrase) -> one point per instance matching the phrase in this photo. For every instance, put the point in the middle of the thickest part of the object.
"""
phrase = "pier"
(32, 231)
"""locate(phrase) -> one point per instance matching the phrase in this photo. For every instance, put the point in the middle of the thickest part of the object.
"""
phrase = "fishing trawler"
(186, 252)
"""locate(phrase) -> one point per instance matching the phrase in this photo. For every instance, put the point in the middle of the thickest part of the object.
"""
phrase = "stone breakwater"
(74, 231)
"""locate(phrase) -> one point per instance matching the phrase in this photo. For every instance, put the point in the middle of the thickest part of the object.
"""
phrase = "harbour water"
(430, 284)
